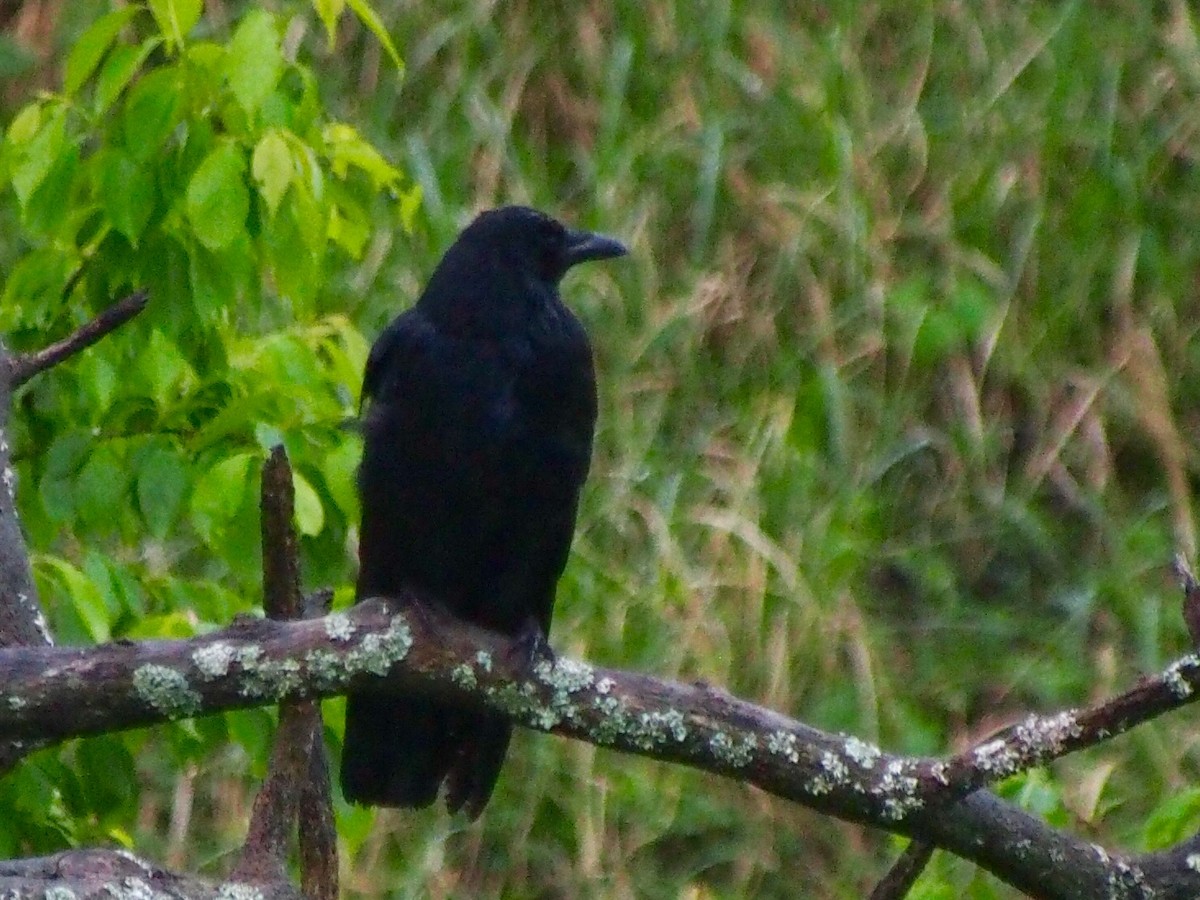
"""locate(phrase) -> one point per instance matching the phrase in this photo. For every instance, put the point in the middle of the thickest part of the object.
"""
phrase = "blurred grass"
(899, 400)
(898, 393)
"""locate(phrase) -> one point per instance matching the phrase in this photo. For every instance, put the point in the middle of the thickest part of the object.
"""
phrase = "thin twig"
(297, 787)
(22, 368)
(264, 855)
(318, 830)
(1191, 597)
(904, 872)
(281, 565)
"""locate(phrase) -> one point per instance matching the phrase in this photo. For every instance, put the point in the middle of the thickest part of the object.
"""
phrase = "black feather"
(480, 408)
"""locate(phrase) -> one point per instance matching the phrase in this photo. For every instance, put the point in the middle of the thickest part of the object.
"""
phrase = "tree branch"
(21, 619)
(397, 645)
(118, 873)
(22, 368)
(904, 873)
(297, 789)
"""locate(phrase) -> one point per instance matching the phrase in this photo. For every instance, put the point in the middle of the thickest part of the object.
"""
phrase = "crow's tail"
(397, 752)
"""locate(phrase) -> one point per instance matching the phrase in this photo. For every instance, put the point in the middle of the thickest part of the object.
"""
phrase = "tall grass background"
(898, 403)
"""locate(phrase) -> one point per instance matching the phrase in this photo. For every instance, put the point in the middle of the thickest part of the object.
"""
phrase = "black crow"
(478, 437)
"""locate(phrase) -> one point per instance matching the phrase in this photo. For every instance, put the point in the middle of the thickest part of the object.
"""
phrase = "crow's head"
(505, 265)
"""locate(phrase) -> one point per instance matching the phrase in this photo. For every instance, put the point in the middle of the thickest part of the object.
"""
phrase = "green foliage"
(204, 167)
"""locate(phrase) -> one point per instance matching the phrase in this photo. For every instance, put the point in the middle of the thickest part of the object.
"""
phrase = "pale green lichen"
(996, 758)
(483, 659)
(522, 702)
(325, 669)
(464, 676)
(833, 772)
(616, 717)
(731, 751)
(379, 652)
(58, 892)
(213, 661)
(866, 755)
(166, 690)
(564, 675)
(339, 627)
(604, 685)
(783, 743)
(1175, 678)
(900, 791)
(263, 678)
(654, 729)
(15, 702)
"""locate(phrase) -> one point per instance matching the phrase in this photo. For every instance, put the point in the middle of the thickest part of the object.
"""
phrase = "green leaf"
(100, 488)
(219, 494)
(329, 12)
(349, 228)
(217, 198)
(57, 486)
(162, 480)
(26, 124)
(273, 168)
(339, 467)
(176, 18)
(40, 153)
(118, 70)
(410, 205)
(51, 202)
(310, 218)
(254, 61)
(212, 287)
(310, 514)
(107, 775)
(152, 111)
(91, 46)
(371, 19)
(345, 147)
(127, 193)
(98, 377)
(86, 600)
(162, 367)
(33, 290)
(1173, 819)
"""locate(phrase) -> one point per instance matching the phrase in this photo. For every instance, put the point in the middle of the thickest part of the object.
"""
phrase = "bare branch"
(21, 619)
(118, 873)
(904, 872)
(297, 787)
(318, 829)
(281, 562)
(1039, 739)
(264, 855)
(1191, 598)
(386, 645)
(22, 368)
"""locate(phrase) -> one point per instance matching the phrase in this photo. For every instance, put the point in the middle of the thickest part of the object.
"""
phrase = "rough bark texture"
(108, 874)
(21, 620)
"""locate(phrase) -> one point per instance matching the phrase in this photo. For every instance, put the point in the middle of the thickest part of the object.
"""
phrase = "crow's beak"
(585, 245)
